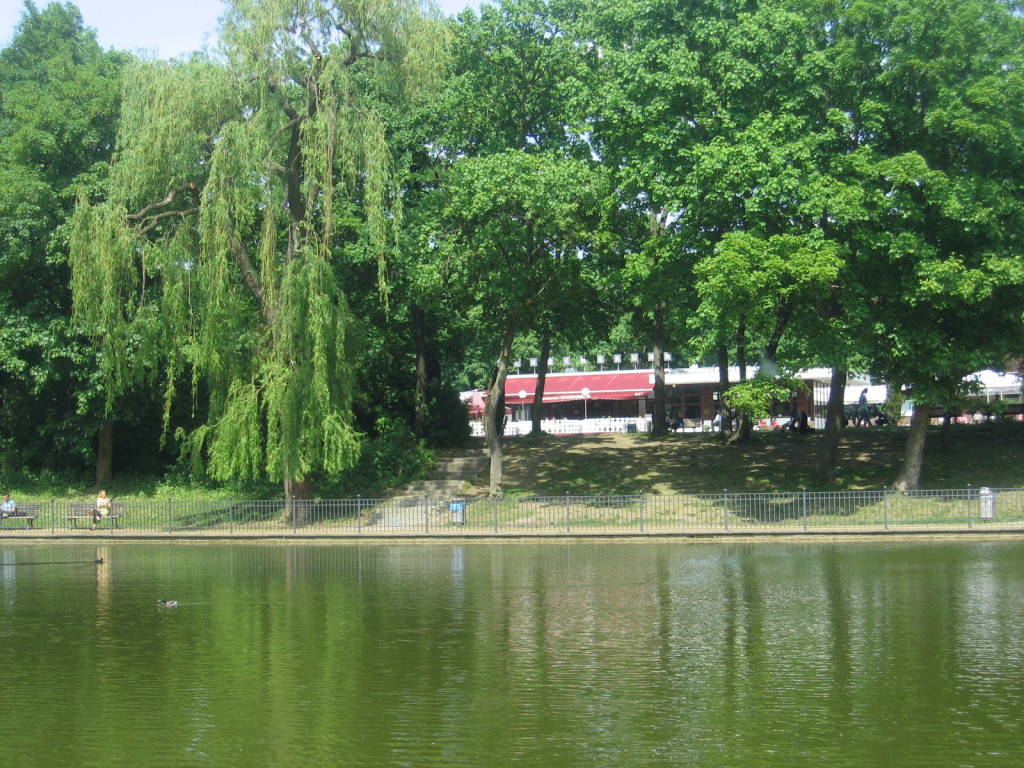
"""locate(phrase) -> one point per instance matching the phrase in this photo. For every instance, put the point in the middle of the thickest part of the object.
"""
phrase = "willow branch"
(162, 204)
(249, 274)
(307, 38)
(274, 87)
(151, 221)
(290, 124)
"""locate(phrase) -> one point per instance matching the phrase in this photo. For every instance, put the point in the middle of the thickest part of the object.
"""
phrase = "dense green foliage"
(308, 240)
(59, 105)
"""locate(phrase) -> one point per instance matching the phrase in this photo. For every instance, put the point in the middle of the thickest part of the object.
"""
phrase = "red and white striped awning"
(562, 387)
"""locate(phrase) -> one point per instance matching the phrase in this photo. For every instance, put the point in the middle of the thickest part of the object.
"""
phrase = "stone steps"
(453, 471)
(445, 487)
(460, 467)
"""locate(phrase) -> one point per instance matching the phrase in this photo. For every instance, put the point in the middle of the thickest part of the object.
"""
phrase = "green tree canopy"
(239, 181)
(59, 103)
(518, 226)
(930, 93)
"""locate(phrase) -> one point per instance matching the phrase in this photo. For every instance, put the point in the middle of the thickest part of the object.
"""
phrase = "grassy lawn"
(694, 463)
(680, 464)
(752, 511)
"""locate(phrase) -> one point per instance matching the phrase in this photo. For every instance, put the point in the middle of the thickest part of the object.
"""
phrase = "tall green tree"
(518, 228)
(775, 178)
(59, 104)
(677, 79)
(239, 184)
(931, 95)
(421, 322)
(528, 80)
(513, 136)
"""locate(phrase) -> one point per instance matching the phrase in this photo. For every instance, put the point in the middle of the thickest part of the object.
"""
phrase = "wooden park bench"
(26, 513)
(79, 511)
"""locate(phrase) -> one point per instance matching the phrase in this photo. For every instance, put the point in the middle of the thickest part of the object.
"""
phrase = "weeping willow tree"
(237, 183)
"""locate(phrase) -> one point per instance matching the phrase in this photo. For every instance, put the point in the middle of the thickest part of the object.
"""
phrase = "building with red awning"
(692, 396)
(579, 402)
(594, 385)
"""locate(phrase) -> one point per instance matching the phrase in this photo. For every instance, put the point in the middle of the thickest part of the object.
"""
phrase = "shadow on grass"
(773, 462)
(864, 506)
(265, 513)
(231, 513)
(773, 507)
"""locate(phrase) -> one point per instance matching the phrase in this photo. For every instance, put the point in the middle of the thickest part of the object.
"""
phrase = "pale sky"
(161, 27)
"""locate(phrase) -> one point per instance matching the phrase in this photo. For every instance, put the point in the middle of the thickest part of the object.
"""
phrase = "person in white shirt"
(102, 508)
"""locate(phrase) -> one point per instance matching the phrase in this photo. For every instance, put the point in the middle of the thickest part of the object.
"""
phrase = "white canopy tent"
(992, 384)
(876, 393)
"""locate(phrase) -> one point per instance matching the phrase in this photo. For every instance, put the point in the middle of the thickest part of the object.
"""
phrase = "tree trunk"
(495, 409)
(105, 453)
(298, 497)
(420, 340)
(909, 478)
(723, 385)
(828, 450)
(744, 426)
(659, 423)
(542, 375)
(741, 348)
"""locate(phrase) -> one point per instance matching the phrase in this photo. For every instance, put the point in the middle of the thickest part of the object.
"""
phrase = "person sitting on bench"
(8, 507)
(102, 508)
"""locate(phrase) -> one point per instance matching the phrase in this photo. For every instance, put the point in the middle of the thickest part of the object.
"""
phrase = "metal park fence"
(705, 514)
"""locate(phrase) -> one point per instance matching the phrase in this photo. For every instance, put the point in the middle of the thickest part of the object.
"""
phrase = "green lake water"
(513, 654)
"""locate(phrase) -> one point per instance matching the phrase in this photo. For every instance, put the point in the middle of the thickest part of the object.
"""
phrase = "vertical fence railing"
(970, 504)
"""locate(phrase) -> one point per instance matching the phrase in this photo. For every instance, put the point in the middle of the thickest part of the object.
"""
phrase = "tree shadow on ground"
(227, 513)
(695, 463)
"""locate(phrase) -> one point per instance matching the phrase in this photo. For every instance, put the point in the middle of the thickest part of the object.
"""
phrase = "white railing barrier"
(605, 425)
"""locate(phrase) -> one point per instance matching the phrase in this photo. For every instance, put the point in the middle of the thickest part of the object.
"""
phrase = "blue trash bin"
(458, 509)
